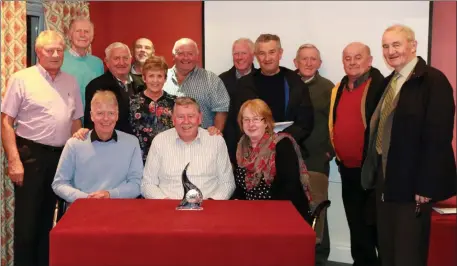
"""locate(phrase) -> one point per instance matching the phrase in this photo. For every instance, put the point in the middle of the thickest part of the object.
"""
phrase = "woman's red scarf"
(259, 162)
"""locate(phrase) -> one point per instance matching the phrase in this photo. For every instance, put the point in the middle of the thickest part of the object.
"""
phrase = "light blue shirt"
(86, 167)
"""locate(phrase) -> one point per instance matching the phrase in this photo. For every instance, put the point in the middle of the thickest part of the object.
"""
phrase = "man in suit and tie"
(410, 160)
(117, 79)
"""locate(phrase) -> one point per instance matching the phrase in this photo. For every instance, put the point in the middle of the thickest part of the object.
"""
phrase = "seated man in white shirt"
(106, 163)
(209, 169)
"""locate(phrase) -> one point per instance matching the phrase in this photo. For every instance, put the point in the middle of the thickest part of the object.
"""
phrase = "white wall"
(328, 25)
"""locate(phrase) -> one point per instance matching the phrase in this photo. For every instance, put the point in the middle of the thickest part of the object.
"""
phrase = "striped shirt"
(209, 169)
(205, 87)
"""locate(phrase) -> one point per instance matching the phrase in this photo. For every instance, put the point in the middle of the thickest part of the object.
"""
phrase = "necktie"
(386, 109)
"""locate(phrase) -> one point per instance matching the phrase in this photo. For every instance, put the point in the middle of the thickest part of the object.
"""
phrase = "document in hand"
(445, 210)
(280, 126)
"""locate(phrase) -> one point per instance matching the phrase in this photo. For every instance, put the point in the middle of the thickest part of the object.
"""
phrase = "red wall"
(162, 22)
(443, 54)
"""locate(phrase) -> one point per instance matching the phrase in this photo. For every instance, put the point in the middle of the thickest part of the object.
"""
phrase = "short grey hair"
(407, 31)
(186, 101)
(247, 41)
(47, 36)
(308, 46)
(183, 41)
(116, 45)
(104, 97)
(77, 19)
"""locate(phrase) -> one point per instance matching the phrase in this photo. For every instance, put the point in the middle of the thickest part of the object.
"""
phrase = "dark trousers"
(403, 237)
(35, 202)
(323, 249)
(359, 205)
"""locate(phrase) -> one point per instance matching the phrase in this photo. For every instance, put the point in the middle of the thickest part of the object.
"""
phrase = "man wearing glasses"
(106, 164)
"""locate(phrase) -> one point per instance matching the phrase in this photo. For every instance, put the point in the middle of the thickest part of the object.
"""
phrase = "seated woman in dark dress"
(269, 165)
(150, 110)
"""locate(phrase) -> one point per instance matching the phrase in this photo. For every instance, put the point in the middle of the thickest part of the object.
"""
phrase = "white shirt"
(209, 169)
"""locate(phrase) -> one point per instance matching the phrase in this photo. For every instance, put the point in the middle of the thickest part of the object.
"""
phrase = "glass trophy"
(193, 197)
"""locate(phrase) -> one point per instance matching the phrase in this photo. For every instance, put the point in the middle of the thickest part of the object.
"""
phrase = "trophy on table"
(193, 197)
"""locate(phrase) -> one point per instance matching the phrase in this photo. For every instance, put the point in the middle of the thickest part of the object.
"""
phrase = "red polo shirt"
(348, 130)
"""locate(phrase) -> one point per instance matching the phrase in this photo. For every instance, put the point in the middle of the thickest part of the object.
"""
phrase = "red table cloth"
(151, 232)
(443, 237)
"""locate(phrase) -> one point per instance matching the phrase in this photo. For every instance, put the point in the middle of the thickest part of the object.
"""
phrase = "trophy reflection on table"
(193, 197)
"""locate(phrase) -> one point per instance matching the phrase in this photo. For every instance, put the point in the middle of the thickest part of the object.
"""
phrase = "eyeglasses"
(255, 120)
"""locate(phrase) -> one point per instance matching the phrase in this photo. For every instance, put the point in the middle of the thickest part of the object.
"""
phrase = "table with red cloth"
(443, 236)
(152, 232)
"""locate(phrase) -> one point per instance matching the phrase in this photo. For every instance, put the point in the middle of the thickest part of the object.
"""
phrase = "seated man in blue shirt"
(106, 164)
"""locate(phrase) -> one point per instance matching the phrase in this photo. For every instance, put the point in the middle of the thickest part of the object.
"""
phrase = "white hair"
(181, 42)
(247, 41)
(309, 46)
(48, 36)
(407, 31)
(116, 45)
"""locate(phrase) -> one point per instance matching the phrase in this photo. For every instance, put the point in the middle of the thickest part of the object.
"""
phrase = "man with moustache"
(106, 164)
(77, 60)
(353, 102)
(185, 78)
(281, 88)
(44, 104)
(410, 160)
(143, 49)
(308, 61)
(118, 80)
(209, 169)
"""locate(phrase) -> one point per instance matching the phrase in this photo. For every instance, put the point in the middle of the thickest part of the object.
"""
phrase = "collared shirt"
(205, 87)
(238, 74)
(209, 169)
(94, 137)
(360, 80)
(405, 72)
(134, 72)
(87, 166)
(74, 53)
(44, 108)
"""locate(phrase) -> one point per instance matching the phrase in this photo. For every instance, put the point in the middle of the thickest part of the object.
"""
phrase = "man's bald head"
(357, 59)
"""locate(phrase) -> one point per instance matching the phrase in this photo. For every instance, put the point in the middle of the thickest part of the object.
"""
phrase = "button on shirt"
(43, 108)
(209, 169)
(205, 87)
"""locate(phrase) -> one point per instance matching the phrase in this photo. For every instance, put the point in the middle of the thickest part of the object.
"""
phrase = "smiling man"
(118, 80)
(77, 60)
(353, 102)
(210, 169)
(410, 160)
(107, 164)
(281, 88)
(143, 49)
(41, 109)
(185, 78)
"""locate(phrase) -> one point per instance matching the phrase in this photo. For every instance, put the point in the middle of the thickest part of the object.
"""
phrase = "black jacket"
(108, 82)
(420, 159)
(299, 109)
(229, 79)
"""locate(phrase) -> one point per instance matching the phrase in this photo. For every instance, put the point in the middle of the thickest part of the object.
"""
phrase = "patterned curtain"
(13, 58)
(58, 14)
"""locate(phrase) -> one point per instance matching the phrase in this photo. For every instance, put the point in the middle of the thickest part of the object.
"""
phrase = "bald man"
(353, 101)
(143, 48)
(185, 78)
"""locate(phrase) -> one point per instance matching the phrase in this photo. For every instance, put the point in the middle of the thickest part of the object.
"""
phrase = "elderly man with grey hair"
(77, 60)
(45, 105)
(117, 79)
(185, 78)
(308, 61)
